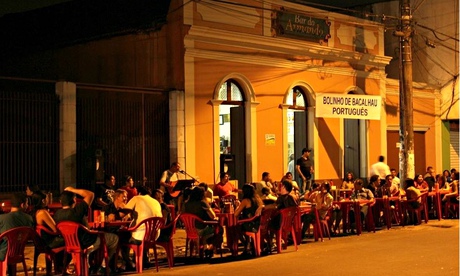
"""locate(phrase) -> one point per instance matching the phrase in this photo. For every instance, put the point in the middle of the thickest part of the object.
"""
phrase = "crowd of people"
(137, 203)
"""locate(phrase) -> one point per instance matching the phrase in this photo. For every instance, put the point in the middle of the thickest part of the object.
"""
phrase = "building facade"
(240, 81)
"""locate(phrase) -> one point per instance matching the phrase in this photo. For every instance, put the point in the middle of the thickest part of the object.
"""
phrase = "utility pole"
(406, 120)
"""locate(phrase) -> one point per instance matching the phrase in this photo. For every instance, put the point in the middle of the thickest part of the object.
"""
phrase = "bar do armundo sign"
(348, 106)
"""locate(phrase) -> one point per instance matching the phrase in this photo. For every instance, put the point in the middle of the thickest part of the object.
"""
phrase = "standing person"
(304, 167)
(77, 212)
(381, 169)
(129, 187)
(15, 218)
(291, 164)
(105, 192)
(168, 180)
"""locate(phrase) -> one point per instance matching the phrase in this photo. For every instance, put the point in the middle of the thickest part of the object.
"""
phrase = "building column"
(67, 92)
(177, 127)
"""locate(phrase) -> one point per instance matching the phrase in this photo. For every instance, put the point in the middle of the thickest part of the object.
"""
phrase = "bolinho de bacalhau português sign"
(300, 26)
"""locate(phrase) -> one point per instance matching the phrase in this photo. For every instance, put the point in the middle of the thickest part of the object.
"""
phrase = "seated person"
(322, 201)
(348, 182)
(129, 187)
(412, 193)
(104, 192)
(42, 217)
(197, 205)
(361, 194)
(295, 187)
(311, 195)
(15, 218)
(249, 207)
(284, 200)
(165, 234)
(267, 197)
(266, 182)
(421, 184)
(224, 187)
(143, 206)
(77, 212)
(114, 211)
(208, 192)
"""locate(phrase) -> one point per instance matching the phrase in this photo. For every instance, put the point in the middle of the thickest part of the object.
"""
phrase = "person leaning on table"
(77, 212)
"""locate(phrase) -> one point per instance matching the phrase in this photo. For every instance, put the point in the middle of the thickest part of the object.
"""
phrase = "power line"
(437, 32)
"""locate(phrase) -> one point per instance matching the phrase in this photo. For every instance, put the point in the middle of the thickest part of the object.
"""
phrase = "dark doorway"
(351, 157)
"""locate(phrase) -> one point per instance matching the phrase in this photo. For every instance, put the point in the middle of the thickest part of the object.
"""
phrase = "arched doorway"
(298, 128)
(232, 127)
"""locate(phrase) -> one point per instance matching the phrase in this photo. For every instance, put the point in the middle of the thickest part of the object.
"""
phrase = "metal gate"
(29, 136)
(121, 133)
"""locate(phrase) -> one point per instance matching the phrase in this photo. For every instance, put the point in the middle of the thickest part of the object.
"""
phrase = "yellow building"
(243, 79)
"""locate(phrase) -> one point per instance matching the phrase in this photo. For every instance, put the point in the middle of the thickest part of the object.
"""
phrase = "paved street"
(427, 249)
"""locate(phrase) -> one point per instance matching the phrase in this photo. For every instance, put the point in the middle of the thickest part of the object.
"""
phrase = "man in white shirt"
(381, 169)
(396, 180)
(143, 206)
(266, 182)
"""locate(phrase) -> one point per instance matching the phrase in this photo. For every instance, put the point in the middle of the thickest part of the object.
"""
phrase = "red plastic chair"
(41, 247)
(152, 226)
(254, 236)
(326, 223)
(407, 207)
(287, 217)
(449, 205)
(192, 233)
(264, 228)
(17, 238)
(69, 231)
(169, 246)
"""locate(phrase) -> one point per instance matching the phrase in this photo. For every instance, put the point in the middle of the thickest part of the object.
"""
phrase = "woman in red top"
(420, 183)
(129, 187)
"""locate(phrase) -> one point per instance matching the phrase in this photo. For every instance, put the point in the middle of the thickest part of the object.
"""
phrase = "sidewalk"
(179, 250)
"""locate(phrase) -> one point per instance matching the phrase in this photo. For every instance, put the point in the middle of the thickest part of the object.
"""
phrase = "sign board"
(300, 26)
(348, 106)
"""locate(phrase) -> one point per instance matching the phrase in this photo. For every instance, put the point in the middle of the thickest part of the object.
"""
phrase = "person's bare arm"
(88, 196)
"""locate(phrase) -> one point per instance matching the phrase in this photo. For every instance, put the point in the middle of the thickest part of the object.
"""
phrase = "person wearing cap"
(304, 167)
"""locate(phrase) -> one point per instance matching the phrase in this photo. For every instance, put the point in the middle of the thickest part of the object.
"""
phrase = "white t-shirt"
(145, 206)
(381, 169)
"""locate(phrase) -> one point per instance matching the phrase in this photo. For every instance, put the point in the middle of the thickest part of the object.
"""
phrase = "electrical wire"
(437, 32)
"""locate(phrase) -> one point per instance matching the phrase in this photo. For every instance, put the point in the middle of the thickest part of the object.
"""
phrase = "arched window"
(296, 99)
(231, 93)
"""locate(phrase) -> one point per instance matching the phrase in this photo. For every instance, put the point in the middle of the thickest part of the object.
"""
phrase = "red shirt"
(223, 189)
(131, 191)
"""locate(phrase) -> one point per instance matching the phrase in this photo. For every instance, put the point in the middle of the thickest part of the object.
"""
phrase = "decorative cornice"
(296, 48)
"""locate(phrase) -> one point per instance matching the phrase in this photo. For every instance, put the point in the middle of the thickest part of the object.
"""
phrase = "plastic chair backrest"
(265, 218)
(287, 218)
(189, 223)
(17, 238)
(69, 231)
(152, 226)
